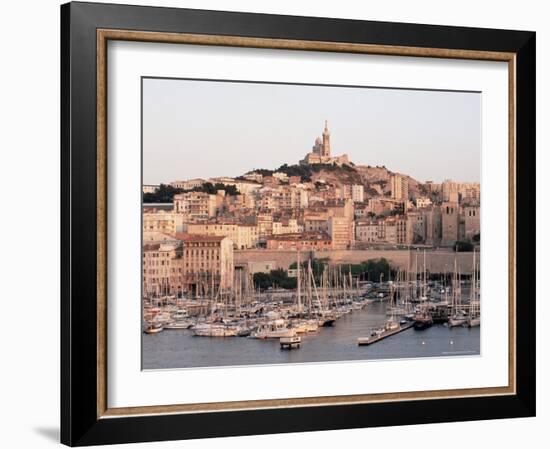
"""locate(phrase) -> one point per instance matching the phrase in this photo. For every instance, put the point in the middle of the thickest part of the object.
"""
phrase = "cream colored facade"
(265, 225)
(253, 176)
(243, 236)
(285, 227)
(357, 193)
(246, 187)
(195, 205)
(189, 184)
(366, 231)
(283, 198)
(208, 264)
(280, 176)
(399, 186)
(149, 188)
(162, 269)
(165, 222)
(341, 232)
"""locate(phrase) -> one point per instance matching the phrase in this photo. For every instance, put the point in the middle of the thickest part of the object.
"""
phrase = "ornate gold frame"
(103, 36)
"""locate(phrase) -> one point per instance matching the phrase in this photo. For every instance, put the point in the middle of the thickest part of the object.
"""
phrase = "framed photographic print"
(280, 224)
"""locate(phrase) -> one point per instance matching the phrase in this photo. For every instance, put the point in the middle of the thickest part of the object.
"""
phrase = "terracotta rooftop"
(184, 237)
(151, 246)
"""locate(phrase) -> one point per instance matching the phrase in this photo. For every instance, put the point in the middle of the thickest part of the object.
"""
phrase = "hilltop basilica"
(320, 153)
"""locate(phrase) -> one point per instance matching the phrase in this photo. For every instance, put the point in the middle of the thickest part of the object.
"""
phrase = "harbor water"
(181, 349)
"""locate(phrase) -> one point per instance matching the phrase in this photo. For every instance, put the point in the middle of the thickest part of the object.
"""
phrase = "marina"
(181, 349)
(327, 301)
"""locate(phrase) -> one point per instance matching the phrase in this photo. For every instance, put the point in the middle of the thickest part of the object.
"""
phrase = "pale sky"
(203, 129)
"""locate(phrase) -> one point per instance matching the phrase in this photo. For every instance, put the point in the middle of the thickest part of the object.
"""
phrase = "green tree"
(212, 189)
(163, 194)
(275, 278)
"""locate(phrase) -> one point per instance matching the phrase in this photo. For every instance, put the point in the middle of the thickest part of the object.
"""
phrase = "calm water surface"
(180, 349)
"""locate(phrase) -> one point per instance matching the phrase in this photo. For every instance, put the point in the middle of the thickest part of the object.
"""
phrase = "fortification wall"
(436, 261)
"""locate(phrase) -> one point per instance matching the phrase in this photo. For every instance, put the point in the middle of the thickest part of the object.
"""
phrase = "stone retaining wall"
(436, 261)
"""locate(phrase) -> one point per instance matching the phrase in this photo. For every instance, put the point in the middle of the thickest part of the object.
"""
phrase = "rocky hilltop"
(376, 180)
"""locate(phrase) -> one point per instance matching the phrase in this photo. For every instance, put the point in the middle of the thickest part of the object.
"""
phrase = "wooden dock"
(364, 341)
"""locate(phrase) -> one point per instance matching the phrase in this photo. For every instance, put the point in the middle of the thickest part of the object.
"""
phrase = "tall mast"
(424, 286)
(298, 282)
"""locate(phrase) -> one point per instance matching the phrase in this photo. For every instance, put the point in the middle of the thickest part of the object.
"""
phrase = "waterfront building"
(305, 241)
(397, 230)
(162, 268)
(208, 263)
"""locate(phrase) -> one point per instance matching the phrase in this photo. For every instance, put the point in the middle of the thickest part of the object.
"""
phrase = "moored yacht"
(422, 320)
(215, 330)
(273, 329)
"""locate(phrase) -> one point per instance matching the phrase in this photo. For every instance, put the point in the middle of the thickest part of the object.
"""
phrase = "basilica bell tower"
(325, 150)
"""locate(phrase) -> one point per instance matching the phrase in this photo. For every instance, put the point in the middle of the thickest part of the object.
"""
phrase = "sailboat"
(474, 318)
(273, 329)
(391, 323)
(423, 318)
(457, 318)
(153, 328)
